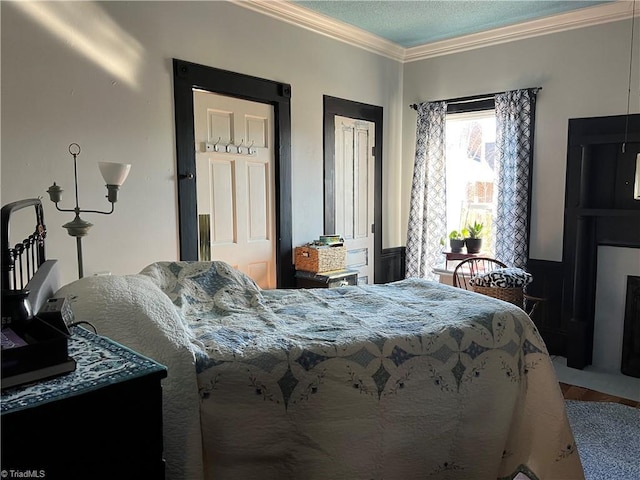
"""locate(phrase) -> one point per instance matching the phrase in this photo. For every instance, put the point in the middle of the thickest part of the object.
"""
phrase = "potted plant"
(474, 238)
(456, 241)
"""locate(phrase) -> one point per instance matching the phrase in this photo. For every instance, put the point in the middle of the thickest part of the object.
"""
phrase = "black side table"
(102, 421)
(336, 278)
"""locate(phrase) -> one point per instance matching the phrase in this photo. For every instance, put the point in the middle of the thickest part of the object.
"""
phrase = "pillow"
(198, 287)
(502, 278)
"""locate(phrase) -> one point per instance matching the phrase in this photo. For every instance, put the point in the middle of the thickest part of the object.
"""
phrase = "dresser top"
(99, 362)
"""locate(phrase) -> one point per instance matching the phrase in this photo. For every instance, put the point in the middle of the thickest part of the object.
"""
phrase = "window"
(503, 202)
(470, 159)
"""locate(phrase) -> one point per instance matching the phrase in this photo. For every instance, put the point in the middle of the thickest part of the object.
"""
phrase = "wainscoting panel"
(393, 263)
(548, 284)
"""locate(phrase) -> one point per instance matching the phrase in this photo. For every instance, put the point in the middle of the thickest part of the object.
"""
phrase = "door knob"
(188, 176)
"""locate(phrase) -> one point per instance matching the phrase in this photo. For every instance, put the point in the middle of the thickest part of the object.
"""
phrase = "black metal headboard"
(21, 261)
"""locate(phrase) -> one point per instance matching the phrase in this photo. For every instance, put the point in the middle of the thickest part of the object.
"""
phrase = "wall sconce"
(114, 175)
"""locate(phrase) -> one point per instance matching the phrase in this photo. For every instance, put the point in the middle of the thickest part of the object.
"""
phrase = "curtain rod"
(486, 96)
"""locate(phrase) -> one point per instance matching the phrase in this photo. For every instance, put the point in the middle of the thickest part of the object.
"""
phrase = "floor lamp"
(114, 175)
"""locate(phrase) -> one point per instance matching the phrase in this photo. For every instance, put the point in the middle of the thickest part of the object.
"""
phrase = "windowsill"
(446, 276)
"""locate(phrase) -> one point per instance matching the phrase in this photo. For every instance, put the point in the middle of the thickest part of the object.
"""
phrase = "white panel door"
(235, 184)
(355, 192)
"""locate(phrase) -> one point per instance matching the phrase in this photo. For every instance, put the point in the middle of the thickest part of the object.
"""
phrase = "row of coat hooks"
(240, 149)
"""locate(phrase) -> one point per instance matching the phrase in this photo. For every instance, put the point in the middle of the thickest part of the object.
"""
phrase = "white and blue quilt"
(408, 380)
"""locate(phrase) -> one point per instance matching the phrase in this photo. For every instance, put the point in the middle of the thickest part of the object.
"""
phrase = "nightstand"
(336, 278)
(102, 421)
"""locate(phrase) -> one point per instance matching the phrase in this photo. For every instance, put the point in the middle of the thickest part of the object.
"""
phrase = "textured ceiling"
(418, 22)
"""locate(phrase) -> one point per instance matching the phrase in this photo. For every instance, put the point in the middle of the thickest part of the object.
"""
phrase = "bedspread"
(408, 380)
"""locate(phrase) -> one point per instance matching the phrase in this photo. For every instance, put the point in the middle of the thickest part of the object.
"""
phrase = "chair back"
(469, 268)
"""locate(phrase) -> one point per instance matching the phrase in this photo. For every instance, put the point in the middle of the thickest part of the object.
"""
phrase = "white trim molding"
(303, 17)
(584, 17)
(294, 14)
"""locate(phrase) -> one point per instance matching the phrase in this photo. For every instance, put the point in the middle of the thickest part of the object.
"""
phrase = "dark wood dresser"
(102, 421)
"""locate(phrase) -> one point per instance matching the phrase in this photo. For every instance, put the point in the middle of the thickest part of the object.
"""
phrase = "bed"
(412, 379)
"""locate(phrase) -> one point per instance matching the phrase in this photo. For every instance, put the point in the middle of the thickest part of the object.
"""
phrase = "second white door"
(355, 192)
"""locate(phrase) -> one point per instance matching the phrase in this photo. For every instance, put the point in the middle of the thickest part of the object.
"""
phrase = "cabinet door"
(112, 432)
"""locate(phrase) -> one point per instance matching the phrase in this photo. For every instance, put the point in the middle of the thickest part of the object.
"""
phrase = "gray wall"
(109, 88)
(583, 72)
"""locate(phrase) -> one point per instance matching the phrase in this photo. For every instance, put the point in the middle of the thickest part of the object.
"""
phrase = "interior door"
(235, 184)
(354, 174)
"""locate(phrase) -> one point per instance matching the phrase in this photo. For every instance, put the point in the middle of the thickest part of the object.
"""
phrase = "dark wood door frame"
(186, 77)
(336, 106)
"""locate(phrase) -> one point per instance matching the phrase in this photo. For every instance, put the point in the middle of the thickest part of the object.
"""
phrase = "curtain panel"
(515, 118)
(427, 213)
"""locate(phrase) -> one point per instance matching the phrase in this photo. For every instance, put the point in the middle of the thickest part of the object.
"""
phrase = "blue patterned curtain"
(428, 212)
(515, 115)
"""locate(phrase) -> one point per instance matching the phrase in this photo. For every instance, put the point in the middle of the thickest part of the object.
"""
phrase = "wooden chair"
(469, 268)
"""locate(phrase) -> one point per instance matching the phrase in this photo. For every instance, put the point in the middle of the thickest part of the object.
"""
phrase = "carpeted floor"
(608, 439)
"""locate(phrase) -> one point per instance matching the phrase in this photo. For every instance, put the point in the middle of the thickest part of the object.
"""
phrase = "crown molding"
(585, 17)
(302, 17)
